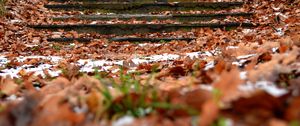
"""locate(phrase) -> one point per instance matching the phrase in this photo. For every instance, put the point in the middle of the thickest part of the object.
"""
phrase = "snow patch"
(124, 121)
(243, 75)
(231, 47)
(245, 56)
(209, 65)
(89, 65)
(194, 55)
(267, 86)
(247, 31)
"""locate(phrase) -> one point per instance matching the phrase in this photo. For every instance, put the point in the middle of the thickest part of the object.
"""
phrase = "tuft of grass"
(136, 100)
(35, 48)
(229, 28)
(56, 47)
(220, 122)
(163, 41)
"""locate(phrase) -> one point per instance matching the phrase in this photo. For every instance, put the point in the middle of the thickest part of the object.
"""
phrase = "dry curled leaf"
(95, 101)
(56, 111)
(55, 86)
(210, 112)
(277, 122)
(228, 85)
(87, 83)
(261, 106)
(8, 87)
(293, 110)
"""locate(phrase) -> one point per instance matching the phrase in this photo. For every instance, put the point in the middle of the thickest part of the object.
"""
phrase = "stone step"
(113, 7)
(124, 0)
(149, 17)
(127, 29)
(120, 39)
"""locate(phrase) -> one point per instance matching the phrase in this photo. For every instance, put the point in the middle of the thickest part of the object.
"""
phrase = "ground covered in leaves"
(226, 77)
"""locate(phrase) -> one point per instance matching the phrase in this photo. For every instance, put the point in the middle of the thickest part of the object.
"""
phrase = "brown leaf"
(28, 85)
(23, 113)
(177, 71)
(188, 63)
(71, 71)
(259, 107)
(56, 111)
(129, 63)
(201, 65)
(86, 83)
(220, 66)
(265, 57)
(22, 72)
(195, 98)
(94, 101)
(296, 39)
(228, 85)
(210, 112)
(55, 86)
(293, 111)
(270, 70)
(32, 61)
(283, 48)
(8, 87)
(277, 122)
(170, 83)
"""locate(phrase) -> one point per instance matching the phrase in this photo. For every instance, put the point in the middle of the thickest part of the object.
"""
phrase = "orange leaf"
(55, 86)
(8, 87)
(210, 112)
(293, 111)
(228, 85)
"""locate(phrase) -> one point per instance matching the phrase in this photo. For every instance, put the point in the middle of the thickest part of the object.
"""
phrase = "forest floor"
(225, 77)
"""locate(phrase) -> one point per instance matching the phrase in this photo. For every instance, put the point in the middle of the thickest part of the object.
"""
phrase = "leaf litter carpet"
(225, 77)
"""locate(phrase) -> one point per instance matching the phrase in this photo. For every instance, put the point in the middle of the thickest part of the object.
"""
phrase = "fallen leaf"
(86, 84)
(55, 86)
(228, 85)
(209, 113)
(293, 111)
(95, 101)
(56, 111)
(277, 122)
(8, 87)
(259, 107)
(177, 71)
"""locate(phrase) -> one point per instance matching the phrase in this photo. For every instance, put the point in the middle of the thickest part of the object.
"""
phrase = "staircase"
(128, 20)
